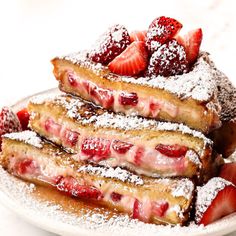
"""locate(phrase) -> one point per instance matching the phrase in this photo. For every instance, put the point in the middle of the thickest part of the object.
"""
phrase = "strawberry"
(26, 166)
(137, 209)
(23, 115)
(70, 186)
(9, 122)
(98, 148)
(128, 99)
(138, 156)
(52, 127)
(131, 61)
(171, 150)
(215, 200)
(121, 147)
(167, 60)
(228, 172)
(110, 44)
(161, 30)
(138, 36)
(160, 208)
(116, 197)
(191, 42)
(71, 137)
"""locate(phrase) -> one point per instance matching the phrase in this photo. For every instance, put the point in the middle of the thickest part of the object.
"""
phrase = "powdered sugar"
(110, 172)
(207, 193)
(27, 136)
(193, 157)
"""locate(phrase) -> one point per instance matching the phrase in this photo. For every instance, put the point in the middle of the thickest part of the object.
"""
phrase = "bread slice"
(145, 146)
(159, 201)
(190, 98)
(225, 137)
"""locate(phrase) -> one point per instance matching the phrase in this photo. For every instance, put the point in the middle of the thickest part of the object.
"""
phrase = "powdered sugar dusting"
(192, 156)
(27, 136)
(207, 193)
(110, 172)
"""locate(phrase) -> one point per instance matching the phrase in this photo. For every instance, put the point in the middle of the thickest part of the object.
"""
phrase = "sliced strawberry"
(138, 156)
(26, 166)
(120, 146)
(70, 186)
(23, 116)
(167, 60)
(138, 35)
(71, 137)
(215, 200)
(110, 44)
(161, 30)
(137, 209)
(52, 127)
(159, 208)
(191, 42)
(171, 150)
(72, 79)
(9, 122)
(98, 148)
(228, 172)
(130, 99)
(116, 197)
(131, 61)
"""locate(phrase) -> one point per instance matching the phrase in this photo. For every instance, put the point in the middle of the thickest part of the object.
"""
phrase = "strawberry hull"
(146, 199)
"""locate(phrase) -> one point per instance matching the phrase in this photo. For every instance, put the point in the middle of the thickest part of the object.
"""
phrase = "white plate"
(20, 197)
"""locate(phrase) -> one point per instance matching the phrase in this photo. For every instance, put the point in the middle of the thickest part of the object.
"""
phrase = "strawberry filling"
(120, 101)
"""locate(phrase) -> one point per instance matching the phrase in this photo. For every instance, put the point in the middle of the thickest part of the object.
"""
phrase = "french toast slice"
(159, 201)
(188, 98)
(144, 146)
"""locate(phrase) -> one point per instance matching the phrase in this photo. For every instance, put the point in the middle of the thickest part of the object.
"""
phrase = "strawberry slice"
(71, 137)
(169, 59)
(215, 200)
(159, 208)
(171, 150)
(110, 44)
(70, 186)
(131, 61)
(120, 146)
(26, 166)
(130, 99)
(23, 115)
(138, 35)
(191, 42)
(116, 197)
(9, 122)
(96, 148)
(161, 30)
(228, 172)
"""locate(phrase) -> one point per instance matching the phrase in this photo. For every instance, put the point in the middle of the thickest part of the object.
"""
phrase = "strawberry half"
(169, 59)
(191, 42)
(228, 172)
(110, 44)
(160, 31)
(172, 150)
(138, 35)
(23, 116)
(120, 146)
(131, 61)
(215, 200)
(9, 122)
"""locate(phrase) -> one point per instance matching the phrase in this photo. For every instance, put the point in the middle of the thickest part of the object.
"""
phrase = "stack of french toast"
(143, 124)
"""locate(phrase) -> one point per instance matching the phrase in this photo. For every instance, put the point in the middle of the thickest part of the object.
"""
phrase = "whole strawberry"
(9, 122)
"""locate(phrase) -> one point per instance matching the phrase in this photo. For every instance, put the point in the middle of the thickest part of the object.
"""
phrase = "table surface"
(33, 32)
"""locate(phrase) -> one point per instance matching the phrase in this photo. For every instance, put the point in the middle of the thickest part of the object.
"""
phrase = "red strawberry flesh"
(110, 44)
(159, 208)
(130, 99)
(26, 166)
(172, 150)
(116, 197)
(161, 30)
(71, 137)
(23, 115)
(132, 61)
(138, 36)
(120, 146)
(228, 172)
(169, 59)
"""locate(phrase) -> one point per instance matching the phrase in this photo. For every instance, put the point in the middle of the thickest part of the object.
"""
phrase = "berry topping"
(71, 137)
(110, 44)
(161, 30)
(131, 61)
(172, 150)
(130, 99)
(70, 186)
(23, 116)
(228, 172)
(121, 147)
(97, 148)
(191, 42)
(9, 122)
(26, 166)
(116, 197)
(215, 199)
(160, 208)
(169, 59)
(52, 127)
(138, 36)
